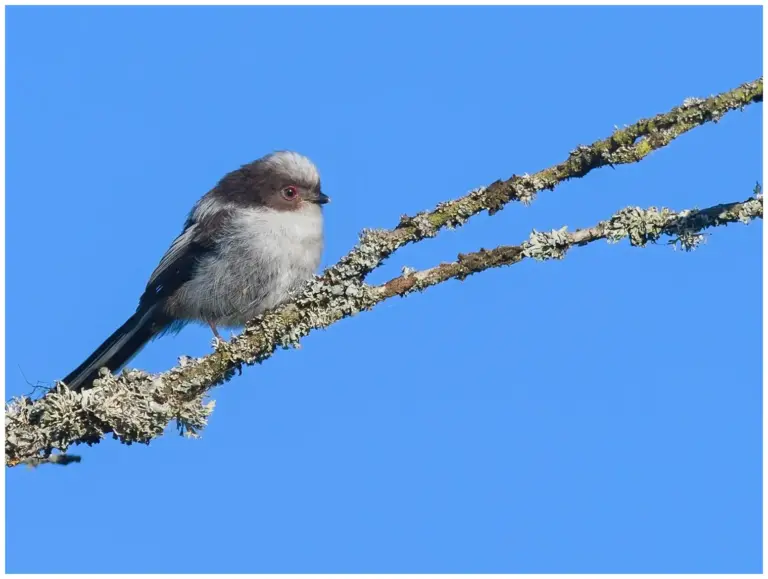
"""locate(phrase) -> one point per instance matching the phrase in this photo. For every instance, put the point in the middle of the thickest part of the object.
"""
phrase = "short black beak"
(322, 198)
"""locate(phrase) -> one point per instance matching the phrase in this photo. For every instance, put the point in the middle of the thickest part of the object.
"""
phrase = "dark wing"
(178, 265)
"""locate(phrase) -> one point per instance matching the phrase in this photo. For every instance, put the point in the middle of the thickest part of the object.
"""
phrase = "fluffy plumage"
(249, 242)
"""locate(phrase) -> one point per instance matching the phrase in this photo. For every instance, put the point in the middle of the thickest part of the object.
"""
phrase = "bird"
(245, 246)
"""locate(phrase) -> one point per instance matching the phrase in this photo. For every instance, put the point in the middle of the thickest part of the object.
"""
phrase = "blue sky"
(597, 414)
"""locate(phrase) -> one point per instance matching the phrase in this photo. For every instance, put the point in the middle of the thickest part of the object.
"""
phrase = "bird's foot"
(217, 339)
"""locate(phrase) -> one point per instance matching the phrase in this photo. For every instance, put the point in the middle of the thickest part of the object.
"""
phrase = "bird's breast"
(261, 257)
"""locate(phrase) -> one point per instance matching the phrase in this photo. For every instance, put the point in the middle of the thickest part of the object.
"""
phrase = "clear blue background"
(597, 414)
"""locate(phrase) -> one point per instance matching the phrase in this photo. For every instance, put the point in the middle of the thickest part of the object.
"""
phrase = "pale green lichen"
(641, 226)
(547, 245)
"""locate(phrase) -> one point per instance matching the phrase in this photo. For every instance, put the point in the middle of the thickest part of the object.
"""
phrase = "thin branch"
(641, 226)
(137, 406)
(60, 459)
(628, 145)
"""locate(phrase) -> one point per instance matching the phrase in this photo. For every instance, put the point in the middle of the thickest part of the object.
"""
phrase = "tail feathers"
(117, 350)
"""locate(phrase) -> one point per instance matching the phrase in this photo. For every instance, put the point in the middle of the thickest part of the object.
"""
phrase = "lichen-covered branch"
(137, 406)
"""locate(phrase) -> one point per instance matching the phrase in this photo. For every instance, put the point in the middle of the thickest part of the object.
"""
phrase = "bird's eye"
(289, 192)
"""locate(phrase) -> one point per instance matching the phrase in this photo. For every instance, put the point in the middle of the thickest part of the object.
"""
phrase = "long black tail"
(118, 349)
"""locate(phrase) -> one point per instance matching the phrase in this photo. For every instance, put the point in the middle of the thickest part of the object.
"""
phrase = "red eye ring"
(289, 192)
